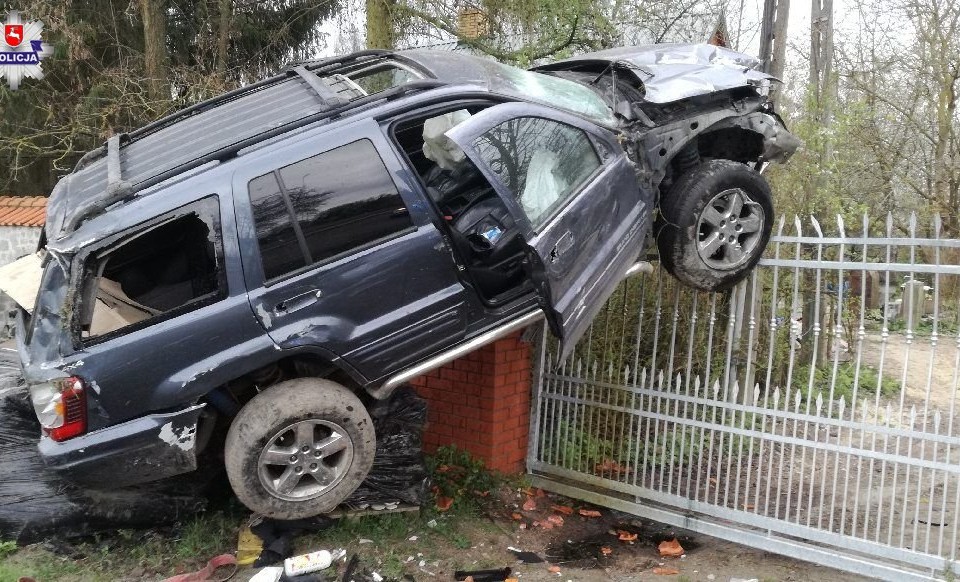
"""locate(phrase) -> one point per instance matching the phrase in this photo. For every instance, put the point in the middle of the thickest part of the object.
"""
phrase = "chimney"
(472, 23)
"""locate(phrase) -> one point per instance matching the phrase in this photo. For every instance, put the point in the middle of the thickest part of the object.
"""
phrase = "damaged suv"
(246, 276)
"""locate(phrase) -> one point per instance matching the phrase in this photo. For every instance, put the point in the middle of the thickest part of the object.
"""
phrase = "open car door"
(576, 198)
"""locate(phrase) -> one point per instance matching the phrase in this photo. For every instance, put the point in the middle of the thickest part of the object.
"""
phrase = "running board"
(463, 349)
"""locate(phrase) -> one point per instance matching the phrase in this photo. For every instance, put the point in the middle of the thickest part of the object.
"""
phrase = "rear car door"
(575, 194)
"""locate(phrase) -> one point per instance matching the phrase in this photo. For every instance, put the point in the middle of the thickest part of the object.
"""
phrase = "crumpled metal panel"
(670, 72)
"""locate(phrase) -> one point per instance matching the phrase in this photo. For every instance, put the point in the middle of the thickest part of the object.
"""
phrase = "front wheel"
(714, 224)
(299, 448)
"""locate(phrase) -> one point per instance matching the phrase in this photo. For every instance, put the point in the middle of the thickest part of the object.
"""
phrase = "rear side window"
(322, 207)
(158, 272)
(542, 162)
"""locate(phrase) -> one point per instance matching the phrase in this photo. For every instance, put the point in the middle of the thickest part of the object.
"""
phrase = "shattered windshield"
(554, 92)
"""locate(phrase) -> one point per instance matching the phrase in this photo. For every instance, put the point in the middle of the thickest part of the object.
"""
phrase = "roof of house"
(22, 210)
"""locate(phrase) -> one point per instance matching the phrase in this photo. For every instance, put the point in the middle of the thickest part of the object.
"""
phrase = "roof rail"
(202, 106)
(97, 206)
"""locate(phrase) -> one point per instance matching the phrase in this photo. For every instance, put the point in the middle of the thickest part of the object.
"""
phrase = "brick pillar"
(481, 403)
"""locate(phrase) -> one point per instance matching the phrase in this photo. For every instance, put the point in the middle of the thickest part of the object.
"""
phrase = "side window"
(324, 206)
(280, 249)
(169, 268)
(542, 162)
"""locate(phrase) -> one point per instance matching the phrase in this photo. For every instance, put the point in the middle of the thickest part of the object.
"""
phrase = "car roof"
(218, 129)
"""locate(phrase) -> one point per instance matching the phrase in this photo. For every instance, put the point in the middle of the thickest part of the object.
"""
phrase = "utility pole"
(821, 56)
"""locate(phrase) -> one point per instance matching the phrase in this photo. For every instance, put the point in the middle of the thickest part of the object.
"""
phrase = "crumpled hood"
(670, 72)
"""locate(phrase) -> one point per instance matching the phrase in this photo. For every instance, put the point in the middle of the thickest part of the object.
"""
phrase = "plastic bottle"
(306, 563)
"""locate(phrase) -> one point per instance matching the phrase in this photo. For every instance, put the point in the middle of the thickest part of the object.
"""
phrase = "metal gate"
(810, 411)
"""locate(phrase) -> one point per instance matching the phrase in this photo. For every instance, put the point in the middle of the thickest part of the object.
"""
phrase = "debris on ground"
(399, 472)
(218, 568)
(526, 557)
(670, 548)
(498, 575)
(664, 571)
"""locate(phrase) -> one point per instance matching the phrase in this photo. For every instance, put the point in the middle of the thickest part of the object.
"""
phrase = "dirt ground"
(431, 545)
(573, 548)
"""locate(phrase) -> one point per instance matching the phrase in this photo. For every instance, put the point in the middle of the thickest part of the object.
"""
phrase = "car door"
(576, 197)
(341, 257)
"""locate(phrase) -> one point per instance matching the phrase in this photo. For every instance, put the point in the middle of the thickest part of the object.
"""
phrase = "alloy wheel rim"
(305, 459)
(729, 230)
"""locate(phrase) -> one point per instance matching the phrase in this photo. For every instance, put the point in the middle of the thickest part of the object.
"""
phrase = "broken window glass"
(171, 267)
(542, 162)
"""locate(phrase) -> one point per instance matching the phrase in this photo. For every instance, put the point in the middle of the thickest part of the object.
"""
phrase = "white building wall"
(15, 242)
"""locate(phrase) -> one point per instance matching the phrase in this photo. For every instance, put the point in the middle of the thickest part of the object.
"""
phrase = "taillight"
(61, 407)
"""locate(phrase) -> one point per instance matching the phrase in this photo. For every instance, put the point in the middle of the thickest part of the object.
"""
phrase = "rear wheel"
(299, 448)
(714, 224)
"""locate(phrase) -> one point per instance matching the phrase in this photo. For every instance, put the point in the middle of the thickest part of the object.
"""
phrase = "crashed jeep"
(238, 282)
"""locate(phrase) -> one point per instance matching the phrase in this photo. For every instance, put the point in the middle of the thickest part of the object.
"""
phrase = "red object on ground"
(204, 574)
(481, 404)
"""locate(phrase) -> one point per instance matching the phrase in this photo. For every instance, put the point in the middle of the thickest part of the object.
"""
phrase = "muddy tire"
(714, 224)
(299, 448)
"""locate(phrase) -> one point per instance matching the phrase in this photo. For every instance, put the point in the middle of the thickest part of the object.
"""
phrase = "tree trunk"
(223, 36)
(381, 32)
(155, 48)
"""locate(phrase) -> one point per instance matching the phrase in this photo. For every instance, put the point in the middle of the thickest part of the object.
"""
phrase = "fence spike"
(937, 224)
(735, 392)
(660, 379)
(816, 225)
(866, 224)
(936, 421)
(841, 405)
(776, 397)
(819, 403)
(716, 389)
(889, 224)
(797, 225)
(843, 232)
(913, 224)
(626, 375)
(696, 384)
(756, 393)
(796, 400)
(780, 225)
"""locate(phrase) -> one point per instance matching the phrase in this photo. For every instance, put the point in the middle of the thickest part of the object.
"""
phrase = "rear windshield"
(554, 92)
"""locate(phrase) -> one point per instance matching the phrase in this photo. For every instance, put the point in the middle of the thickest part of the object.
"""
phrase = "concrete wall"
(15, 241)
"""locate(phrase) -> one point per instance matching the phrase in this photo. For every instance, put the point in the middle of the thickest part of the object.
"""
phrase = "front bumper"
(144, 449)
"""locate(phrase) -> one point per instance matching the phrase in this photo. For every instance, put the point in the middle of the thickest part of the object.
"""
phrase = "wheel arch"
(304, 362)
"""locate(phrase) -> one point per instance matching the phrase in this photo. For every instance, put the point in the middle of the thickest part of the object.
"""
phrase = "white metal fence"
(810, 411)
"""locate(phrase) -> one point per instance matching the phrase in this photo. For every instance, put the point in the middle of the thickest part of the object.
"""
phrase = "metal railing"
(811, 410)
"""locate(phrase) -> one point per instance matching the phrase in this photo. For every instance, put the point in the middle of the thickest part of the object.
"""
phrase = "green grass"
(156, 554)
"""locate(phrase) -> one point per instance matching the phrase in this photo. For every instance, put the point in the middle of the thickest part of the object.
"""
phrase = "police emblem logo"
(22, 50)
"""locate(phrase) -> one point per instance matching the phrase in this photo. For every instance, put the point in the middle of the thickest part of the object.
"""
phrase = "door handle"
(297, 302)
(564, 244)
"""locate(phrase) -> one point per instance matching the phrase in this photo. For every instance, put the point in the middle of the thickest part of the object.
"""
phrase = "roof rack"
(123, 190)
(312, 66)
